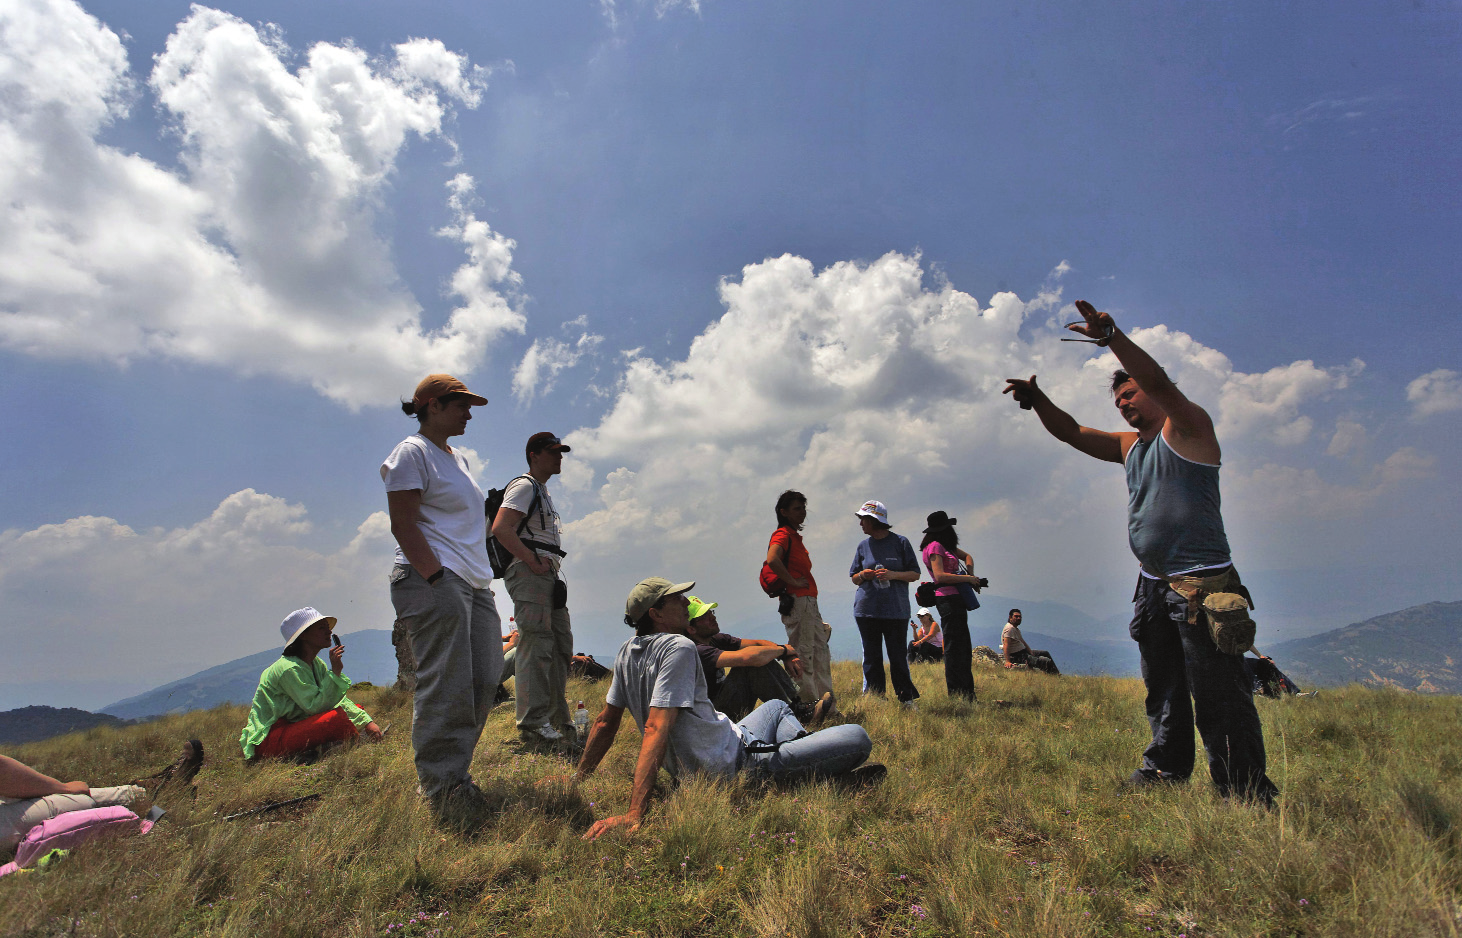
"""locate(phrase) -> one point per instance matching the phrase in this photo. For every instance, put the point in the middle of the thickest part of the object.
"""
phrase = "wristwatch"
(432, 580)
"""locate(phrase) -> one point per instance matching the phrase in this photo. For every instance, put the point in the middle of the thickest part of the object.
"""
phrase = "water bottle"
(880, 584)
(581, 720)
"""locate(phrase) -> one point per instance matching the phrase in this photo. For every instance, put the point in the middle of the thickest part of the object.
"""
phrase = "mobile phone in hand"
(335, 640)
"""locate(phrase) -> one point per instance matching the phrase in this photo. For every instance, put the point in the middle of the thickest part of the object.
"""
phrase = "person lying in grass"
(301, 704)
(659, 678)
(28, 797)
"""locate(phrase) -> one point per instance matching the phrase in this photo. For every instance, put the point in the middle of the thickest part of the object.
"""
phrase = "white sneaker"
(547, 733)
(911, 705)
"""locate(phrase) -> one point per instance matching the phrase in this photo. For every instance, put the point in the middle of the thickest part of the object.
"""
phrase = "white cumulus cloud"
(546, 359)
(262, 253)
(863, 380)
(1436, 392)
(156, 604)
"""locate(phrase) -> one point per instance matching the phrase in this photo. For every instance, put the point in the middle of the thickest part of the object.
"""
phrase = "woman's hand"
(373, 732)
(337, 658)
(75, 788)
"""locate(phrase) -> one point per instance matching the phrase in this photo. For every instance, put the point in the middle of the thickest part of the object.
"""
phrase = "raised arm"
(1186, 419)
(1098, 444)
(652, 755)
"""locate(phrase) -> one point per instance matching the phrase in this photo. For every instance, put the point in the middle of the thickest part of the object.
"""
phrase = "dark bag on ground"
(584, 666)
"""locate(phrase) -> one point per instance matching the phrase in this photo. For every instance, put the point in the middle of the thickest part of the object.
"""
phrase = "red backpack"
(771, 584)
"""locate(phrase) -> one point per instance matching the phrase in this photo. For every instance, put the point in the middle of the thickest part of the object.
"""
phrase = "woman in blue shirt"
(884, 565)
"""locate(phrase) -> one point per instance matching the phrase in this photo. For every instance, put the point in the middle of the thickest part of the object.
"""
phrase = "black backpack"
(497, 554)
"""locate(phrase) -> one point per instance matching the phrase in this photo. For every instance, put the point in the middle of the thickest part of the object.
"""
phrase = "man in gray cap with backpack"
(527, 528)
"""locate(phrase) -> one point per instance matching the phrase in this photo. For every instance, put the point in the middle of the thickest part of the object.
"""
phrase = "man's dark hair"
(880, 525)
(643, 625)
(947, 537)
(1119, 378)
(786, 500)
(1013, 612)
(409, 407)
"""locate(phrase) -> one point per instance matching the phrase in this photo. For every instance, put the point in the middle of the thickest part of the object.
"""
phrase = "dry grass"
(991, 822)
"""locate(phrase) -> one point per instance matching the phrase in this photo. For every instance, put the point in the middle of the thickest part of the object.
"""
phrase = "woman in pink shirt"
(949, 569)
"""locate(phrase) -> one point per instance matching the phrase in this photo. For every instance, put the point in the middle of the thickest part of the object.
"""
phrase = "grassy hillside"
(1419, 649)
(369, 657)
(992, 822)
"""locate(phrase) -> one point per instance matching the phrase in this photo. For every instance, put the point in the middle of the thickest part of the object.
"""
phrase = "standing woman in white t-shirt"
(440, 590)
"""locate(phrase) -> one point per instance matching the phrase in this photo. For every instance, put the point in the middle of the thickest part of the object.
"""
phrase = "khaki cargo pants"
(545, 646)
(809, 634)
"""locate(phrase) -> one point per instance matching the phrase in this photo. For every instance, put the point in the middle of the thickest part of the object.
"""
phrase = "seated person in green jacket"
(301, 704)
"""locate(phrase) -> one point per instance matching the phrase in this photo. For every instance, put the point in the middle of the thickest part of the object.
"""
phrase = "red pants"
(287, 739)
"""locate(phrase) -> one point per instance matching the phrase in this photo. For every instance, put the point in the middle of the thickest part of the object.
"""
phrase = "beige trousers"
(18, 817)
(809, 634)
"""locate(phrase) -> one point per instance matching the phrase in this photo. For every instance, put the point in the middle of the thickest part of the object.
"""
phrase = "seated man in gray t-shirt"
(658, 677)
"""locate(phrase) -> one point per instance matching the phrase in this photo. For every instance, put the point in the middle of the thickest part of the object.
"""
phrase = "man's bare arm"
(1186, 418)
(1098, 444)
(18, 780)
(752, 657)
(652, 755)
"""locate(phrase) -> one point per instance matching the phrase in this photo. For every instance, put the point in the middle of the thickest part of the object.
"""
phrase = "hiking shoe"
(814, 713)
(910, 705)
(545, 733)
(1150, 778)
(867, 775)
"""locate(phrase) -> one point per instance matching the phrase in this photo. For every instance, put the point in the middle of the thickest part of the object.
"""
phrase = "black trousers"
(878, 633)
(954, 622)
(1187, 677)
(736, 694)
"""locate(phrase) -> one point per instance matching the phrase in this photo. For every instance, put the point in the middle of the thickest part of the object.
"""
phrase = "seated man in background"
(1015, 651)
(755, 668)
(510, 659)
(659, 678)
(928, 643)
(28, 797)
(301, 704)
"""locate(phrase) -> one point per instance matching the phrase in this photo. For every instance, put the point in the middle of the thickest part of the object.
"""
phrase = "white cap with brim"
(925, 612)
(296, 622)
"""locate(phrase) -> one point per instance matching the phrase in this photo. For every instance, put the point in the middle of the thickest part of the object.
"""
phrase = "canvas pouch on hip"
(1224, 602)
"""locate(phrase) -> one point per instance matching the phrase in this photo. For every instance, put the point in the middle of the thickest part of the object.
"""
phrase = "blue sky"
(1272, 189)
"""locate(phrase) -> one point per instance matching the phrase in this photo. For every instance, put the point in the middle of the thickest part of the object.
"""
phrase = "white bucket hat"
(296, 622)
(874, 510)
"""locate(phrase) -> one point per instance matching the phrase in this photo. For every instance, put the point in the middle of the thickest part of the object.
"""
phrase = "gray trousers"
(545, 645)
(456, 636)
(18, 817)
(737, 693)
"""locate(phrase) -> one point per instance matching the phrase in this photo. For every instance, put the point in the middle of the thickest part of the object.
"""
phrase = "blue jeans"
(1179, 660)
(798, 755)
(876, 634)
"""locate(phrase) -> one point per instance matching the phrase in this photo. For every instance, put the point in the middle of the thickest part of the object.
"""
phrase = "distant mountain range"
(369, 656)
(1417, 649)
(33, 724)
